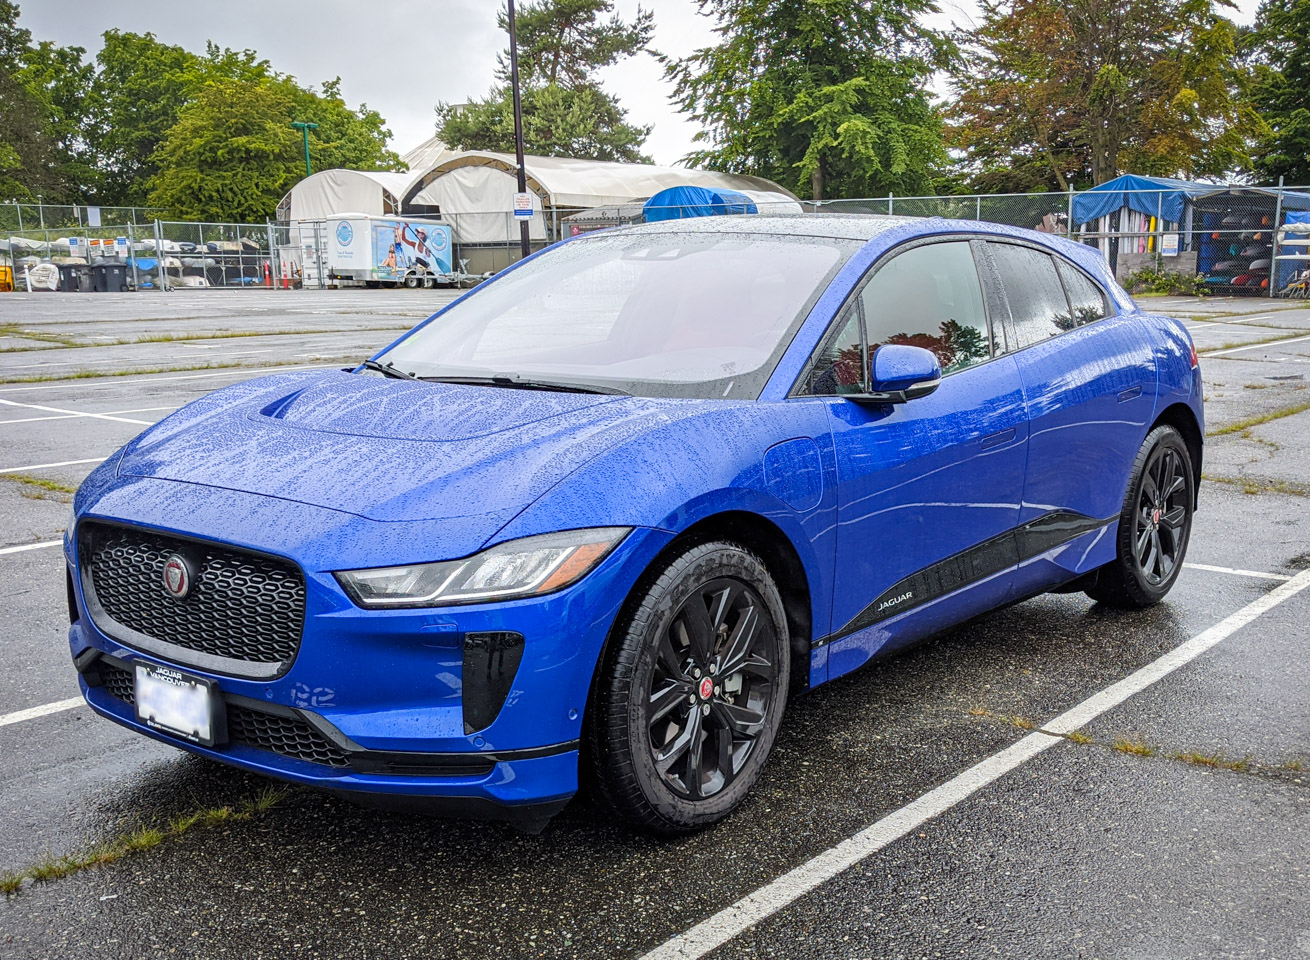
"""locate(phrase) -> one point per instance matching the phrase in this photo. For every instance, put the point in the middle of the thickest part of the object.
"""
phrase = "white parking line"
(772, 897)
(24, 547)
(43, 466)
(1237, 572)
(31, 713)
(77, 413)
(71, 416)
(1255, 346)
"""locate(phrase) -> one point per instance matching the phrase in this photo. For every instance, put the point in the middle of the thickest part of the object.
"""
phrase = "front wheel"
(692, 691)
(1154, 525)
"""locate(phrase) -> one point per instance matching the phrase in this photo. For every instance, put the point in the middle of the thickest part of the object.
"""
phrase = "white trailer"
(360, 250)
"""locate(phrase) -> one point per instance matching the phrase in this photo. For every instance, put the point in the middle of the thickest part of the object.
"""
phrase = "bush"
(1166, 281)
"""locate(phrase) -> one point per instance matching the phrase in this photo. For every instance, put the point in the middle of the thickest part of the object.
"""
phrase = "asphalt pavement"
(914, 809)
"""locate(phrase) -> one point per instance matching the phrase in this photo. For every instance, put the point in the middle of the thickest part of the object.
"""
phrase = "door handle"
(1132, 393)
(998, 438)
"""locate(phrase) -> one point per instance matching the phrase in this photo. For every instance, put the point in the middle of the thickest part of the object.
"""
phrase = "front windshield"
(651, 314)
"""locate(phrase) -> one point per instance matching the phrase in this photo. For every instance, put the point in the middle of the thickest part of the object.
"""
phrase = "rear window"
(1086, 300)
(1038, 308)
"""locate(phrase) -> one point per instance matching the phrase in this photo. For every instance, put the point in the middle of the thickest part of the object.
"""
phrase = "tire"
(411, 282)
(666, 686)
(1154, 525)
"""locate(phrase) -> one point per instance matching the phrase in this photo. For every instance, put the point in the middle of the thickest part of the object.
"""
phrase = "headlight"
(518, 568)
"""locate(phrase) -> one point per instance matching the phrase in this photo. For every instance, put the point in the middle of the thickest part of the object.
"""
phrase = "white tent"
(426, 155)
(330, 193)
(475, 190)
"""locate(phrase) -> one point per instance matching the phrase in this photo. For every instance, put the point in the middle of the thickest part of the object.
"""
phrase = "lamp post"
(304, 129)
(524, 246)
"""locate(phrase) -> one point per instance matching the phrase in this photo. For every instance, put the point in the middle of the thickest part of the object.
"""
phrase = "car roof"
(843, 226)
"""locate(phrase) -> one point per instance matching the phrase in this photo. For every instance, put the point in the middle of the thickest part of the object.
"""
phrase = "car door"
(1089, 385)
(928, 490)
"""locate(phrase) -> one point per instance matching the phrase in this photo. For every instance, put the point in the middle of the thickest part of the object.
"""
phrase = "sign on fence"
(1169, 245)
(523, 206)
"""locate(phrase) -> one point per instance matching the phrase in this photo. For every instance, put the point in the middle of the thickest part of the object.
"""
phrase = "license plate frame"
(178, 704)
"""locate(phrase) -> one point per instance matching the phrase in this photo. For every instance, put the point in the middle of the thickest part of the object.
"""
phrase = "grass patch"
(147, 371)
(1077, 736)
(1209, 351)
(1137, 748)
(1255, 487)
(50, 868)
(1255, 421)
(1296, 766)
(38, 482)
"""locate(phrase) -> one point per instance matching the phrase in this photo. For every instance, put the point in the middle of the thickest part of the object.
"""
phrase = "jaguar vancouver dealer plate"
(175, 703)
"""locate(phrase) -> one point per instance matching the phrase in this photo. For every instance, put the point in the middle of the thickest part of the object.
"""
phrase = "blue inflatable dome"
(676, 203)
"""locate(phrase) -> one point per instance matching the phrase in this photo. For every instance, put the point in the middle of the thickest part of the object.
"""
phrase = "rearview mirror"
(900, 373)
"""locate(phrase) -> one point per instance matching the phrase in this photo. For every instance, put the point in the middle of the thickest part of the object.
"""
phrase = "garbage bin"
(74, 276)
(110, 277)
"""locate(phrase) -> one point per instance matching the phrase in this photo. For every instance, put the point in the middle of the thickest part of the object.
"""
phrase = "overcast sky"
(402, 56)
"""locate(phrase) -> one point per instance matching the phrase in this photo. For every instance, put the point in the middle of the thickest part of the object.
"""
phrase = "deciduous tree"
(566, 112)
(827, 97)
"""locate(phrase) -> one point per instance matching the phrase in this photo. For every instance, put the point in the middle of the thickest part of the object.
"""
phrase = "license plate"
(175, 703)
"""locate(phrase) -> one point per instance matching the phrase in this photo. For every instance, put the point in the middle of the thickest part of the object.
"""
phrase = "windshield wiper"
(388, 369)
(515, 383)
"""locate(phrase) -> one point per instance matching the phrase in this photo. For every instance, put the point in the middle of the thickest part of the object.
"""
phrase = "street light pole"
(524, 245)
(304, 129)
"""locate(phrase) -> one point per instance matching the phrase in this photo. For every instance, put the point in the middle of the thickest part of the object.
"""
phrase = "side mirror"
(900, 373)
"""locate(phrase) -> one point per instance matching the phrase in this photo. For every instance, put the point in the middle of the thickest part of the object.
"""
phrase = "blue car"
(602, 516)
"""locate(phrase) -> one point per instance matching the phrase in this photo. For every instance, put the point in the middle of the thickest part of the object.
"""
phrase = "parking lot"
(1052, 780)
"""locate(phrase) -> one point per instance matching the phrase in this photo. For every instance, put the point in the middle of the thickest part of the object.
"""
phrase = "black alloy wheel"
(1159, 525)
(710, 691)
(691, 690)
(1154, 525)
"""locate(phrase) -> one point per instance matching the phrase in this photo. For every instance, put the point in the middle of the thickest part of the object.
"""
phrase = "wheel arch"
(1181, 418)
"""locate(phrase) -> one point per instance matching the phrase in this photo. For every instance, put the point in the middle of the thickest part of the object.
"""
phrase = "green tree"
(566, 113)
(1058, 92)
(29, 158)
(1279, 45)
(827, 97)
(60, 80)
(230, 155)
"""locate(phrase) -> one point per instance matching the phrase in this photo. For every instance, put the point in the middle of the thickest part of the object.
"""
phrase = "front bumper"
(386, 696)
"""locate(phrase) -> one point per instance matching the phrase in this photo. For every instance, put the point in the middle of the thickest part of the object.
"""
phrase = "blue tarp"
(1166, 197)
(675, 203)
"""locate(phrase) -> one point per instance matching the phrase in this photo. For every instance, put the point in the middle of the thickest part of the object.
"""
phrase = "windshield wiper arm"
(388, 369)
(515, 383)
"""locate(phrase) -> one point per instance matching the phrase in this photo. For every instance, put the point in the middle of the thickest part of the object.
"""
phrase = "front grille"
(117, 681)
(288, 736)
(241, 606)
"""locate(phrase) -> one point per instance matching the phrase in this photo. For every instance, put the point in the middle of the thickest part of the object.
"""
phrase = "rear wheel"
(411, 281)
(1154, 525)
(692, 691)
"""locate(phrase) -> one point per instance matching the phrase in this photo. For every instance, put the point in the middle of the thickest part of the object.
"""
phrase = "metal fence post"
(159, 254)
(131, 258)
(890, 204)
(20, 216)
(1273, 252)
(978, 205)
(272, 263)
(1068, 220)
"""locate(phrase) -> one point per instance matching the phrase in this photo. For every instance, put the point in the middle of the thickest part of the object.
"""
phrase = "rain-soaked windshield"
(651, 314)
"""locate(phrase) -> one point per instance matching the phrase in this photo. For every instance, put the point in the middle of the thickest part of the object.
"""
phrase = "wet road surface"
(1177, 829)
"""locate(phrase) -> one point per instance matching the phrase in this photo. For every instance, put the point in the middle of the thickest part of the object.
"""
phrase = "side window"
(929, 297)
(838, 368)
(1038, 308)
(1086, 299)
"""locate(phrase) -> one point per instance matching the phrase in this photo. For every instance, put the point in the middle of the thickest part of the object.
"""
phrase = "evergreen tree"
(1280, 48)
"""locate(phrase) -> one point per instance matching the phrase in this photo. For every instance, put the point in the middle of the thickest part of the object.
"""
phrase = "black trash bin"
(110, 277)
(74, 276)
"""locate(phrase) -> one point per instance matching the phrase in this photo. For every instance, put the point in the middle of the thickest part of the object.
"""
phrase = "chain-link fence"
(1229, 240)
(20, 217)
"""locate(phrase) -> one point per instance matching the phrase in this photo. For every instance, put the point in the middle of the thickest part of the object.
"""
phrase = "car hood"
(389, 450)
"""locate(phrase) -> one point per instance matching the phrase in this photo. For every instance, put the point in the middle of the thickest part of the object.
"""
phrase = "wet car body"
(882, 523)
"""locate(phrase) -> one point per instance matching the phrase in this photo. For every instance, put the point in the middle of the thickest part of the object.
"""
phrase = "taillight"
(1195, 361)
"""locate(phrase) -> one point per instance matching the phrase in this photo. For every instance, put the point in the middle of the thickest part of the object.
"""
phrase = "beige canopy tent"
(330, 193)
(475, 190)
